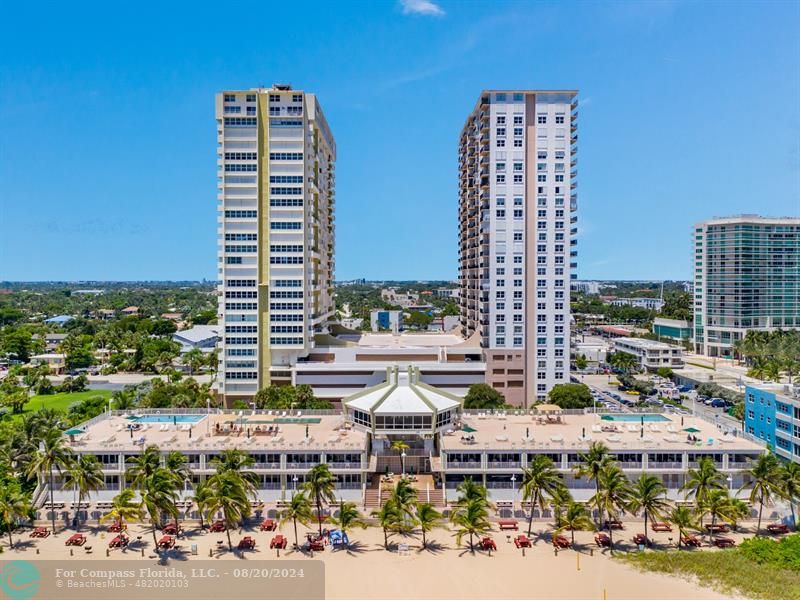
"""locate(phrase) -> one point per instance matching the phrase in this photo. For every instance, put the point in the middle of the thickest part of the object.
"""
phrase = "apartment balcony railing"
(631, 465)
(267, 465)
(503, 464)
(456, 464)
(300, 465)
(664, 465)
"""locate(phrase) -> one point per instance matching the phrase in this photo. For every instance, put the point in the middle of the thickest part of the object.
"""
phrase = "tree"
(84, 476)
(468, 490)
(470, 518)
(13, 506)
(320, 484)
(349, 517)
(540, 481)
(299, 509)
(51, 455)
(160, 495)
(790, 486)
(229, 495)
(401, 448)
(571, 395)
(404, 497)
(740, 510)
(237, 461)
(623, 361)
(581, 362)
(683, 518)
(418, 319)
(649, 496)
(19, 343)
(200, 499)
(481, 395)
(716, 503)
(664, 372)
(451, 310)
(702, 481)
(194, 359)
(141, 468)
(614, 496)
(591, 464)
(389, 518)
(765, 484)
(428, 518)
(124, 508)
(575, 518)
(678, 305)
(13, 397)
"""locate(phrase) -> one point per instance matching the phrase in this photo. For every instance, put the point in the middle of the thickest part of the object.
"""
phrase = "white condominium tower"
(275, 157)
(517, 159)
(746, 277)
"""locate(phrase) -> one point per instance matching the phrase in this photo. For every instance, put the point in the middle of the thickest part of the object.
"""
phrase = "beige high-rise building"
(517, 199)
(276, 179)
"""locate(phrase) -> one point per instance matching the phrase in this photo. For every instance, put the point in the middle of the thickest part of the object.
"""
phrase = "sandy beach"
(442, 572)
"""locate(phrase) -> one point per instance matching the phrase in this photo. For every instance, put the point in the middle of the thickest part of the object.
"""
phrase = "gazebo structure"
(402, 408)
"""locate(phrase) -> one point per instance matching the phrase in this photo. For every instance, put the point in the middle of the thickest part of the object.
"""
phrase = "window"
(541, 167)
(500, 271)
(501, 283)
(559, 154)
(541, 155)
(500, 97)
(517, 178)
(541, 178)
(559, 178)
(501, 178)
(517, 213)
(500, 213)
(501, 201)
(559, 119)
(501, 166)
(501, 143)
(517, 131)
(517, 119)
(518, 98)
(250, 97)
(232, 109)
(541, 119)
(517, 236)
(229, 98)
(297, 97)
(501, 131)
(518, 143)
(501, 119)
(517, 260)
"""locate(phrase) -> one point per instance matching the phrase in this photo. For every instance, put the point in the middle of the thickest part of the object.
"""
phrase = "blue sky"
(107, 136)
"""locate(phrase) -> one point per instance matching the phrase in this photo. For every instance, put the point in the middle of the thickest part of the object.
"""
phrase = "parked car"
(718, 403)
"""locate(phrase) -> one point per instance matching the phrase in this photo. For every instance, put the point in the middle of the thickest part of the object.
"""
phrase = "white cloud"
(421, 7)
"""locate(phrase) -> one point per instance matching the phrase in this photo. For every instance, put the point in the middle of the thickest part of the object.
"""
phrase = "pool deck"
(218, 432)
(514, 432)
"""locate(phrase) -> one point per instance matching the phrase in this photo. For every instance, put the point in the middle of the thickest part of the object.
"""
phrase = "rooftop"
(402, 394)
(645, 343)
(511, 431)
(219, 431)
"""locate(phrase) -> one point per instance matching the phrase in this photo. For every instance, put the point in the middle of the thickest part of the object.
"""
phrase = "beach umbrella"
(468, 429)
(527, 432)
(306, 431)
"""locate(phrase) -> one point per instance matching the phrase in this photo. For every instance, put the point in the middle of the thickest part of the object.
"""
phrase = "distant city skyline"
(109, 170)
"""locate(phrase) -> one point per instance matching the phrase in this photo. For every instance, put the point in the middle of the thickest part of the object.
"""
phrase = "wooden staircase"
(376, 494)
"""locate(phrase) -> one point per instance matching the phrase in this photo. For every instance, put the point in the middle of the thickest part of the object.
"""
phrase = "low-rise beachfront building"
(442, 444)
(55, 361)
(675, 329)
(650, 354)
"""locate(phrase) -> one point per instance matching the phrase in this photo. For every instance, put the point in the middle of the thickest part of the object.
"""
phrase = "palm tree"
(389, 518)
(320, 484)
(51, 455)
(124, 508)
(178, 464)
(405, 498)
(428, 518)
(739, 510)
(614, 496)
(142, 467)
(766, 482)
(540, 481)
(759, 368)
(194, 359)
(84, 475)
(790, 486)
(701, 481)
(592, 463)
(401, 447)
(159, 495)
(238, 461)
(716, 503)
(349, 517)
(560, 500)
(576, 517)
(683, 518)
(649, 496)
(229, 494)
(13, 506)
(200, 498)
(469, 490)
(299, 509)
(470, 518)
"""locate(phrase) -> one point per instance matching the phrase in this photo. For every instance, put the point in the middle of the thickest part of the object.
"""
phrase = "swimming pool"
(169, 419)
(636, 418)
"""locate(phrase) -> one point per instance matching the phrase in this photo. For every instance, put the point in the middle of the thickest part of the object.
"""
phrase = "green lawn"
(727, 570)
(62, 401)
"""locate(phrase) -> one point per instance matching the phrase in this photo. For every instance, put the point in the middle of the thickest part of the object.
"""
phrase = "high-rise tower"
(276, 179)
(517, 170)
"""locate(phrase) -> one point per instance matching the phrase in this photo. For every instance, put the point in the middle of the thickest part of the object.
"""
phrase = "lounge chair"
(506, 525)
(641, 539)
(661, 526)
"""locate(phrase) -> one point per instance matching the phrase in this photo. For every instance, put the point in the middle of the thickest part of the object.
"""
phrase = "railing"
(344, 465)
(630, 465)
(455, 464)
(664, 465)
(503, 464)
(267, 465)
(301, 465)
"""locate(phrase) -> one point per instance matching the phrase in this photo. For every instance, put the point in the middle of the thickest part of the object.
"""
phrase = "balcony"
(503, 465)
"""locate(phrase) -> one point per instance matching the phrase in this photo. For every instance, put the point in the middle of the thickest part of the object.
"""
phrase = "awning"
(548, 408)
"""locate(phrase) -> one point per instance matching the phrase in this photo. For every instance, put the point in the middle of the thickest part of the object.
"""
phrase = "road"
(601, 384)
